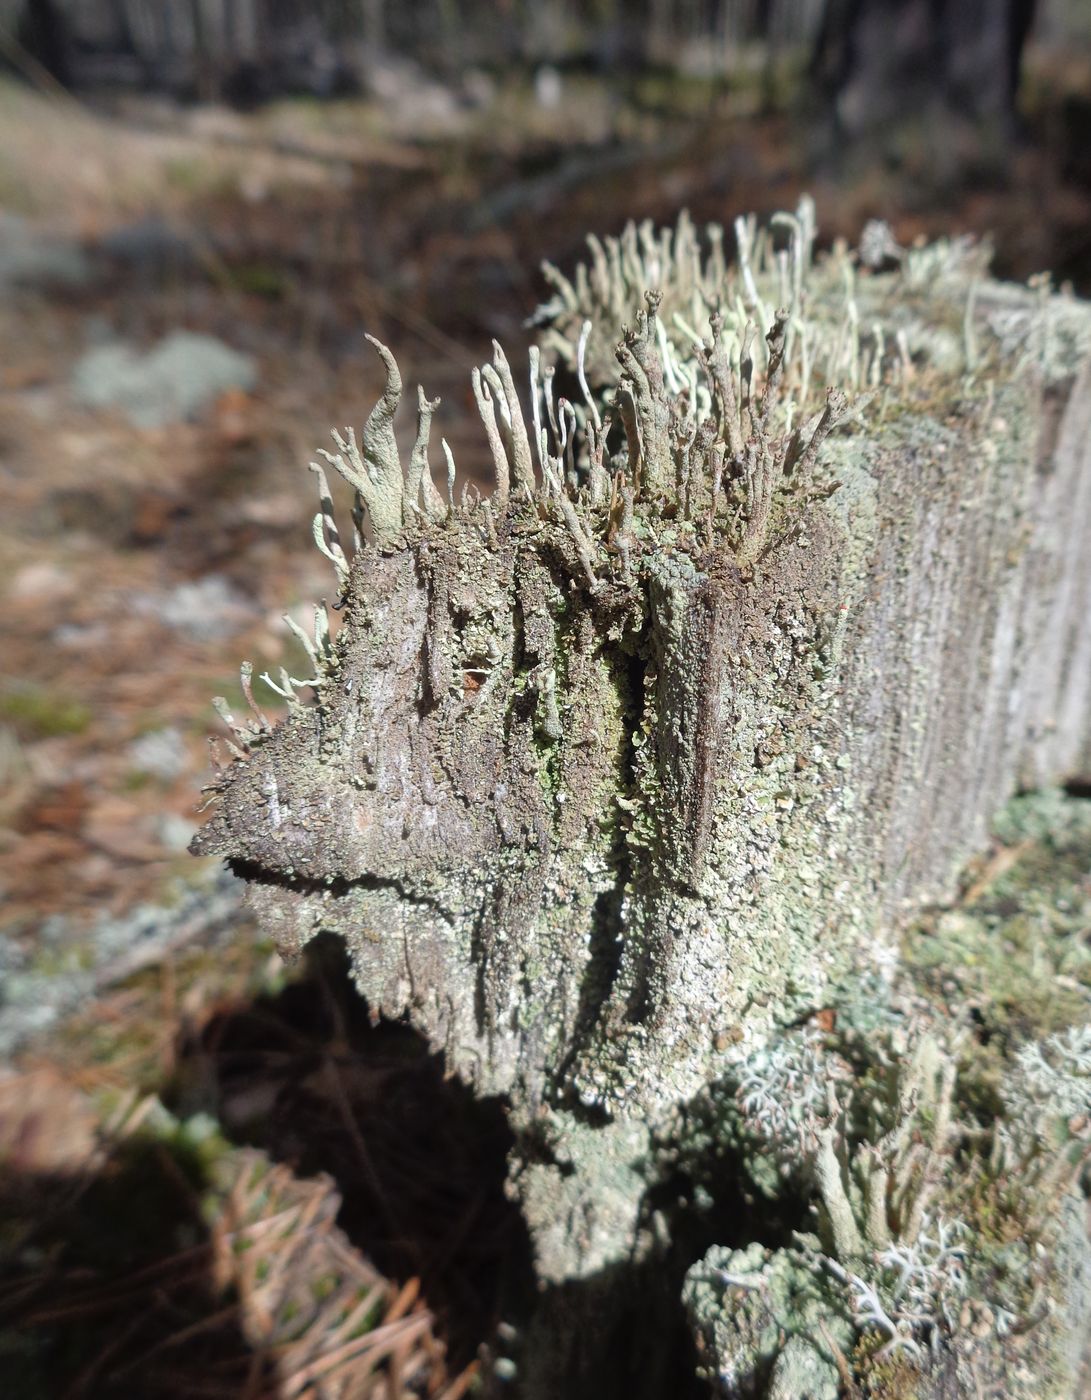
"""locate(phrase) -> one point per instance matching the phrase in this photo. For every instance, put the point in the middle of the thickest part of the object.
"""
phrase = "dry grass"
(273, 1303)
(323, 1218)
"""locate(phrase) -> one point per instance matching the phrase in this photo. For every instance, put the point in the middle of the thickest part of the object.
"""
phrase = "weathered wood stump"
(613, 776)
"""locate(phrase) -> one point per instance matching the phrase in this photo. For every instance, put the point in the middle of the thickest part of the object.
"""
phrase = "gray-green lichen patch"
(560, 1213)
(759, 1315)
(970, 1264)
(960, 1252)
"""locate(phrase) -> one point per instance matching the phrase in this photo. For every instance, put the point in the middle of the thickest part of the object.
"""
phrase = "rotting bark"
(604, 784)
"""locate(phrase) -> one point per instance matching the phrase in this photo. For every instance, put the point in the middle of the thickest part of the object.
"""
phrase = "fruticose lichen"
(948, 1245)
(934, 1234)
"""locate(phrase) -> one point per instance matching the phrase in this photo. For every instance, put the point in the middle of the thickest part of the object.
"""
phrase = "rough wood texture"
(608, 780)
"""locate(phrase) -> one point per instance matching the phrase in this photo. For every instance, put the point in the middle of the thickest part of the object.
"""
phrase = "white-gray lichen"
(902, 1272)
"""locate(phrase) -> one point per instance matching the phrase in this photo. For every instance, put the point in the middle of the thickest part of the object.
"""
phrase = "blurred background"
(204, 204)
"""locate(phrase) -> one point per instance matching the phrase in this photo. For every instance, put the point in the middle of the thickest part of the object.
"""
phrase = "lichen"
(976, 1260)
(937, 1236)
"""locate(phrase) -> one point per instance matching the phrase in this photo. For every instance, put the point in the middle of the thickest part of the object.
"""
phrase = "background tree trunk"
(937, 66)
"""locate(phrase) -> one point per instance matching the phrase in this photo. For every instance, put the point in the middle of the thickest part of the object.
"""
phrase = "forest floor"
(159, 1055)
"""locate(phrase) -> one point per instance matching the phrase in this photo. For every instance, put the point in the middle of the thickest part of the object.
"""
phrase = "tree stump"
(611, 778)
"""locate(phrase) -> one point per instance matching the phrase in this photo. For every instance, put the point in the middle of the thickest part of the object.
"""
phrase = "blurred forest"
(203, 207)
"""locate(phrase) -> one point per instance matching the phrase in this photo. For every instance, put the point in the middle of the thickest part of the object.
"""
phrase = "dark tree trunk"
(42, 34)
(885, 65)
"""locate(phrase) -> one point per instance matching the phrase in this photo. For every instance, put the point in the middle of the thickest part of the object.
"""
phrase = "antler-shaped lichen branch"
(713, 359)
(638, 355)
(324, 529)
(419, 486)
(374, 470)
(522, 469)
(836, 411)
(486, 406)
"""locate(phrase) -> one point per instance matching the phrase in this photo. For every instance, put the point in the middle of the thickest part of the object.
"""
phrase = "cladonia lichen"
(934, 1234)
